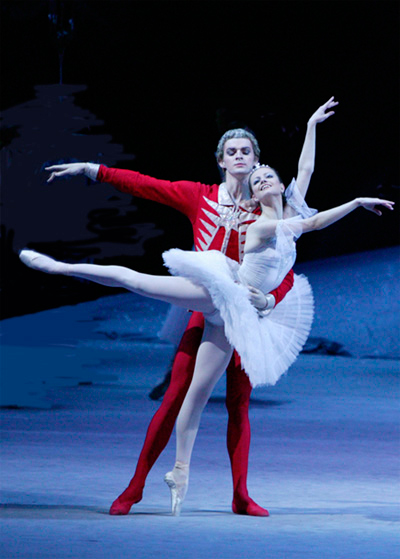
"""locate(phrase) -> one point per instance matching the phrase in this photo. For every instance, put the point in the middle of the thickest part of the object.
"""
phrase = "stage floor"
(324, 455)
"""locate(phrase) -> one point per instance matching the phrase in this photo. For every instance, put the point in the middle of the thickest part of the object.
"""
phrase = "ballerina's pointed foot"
(248, 507)
(177, 480)
(41, 262)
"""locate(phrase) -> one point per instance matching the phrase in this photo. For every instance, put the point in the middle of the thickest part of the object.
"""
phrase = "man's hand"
(66, 170)
(259, 300)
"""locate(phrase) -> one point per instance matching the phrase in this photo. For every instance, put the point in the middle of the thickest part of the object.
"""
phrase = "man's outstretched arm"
(181, 195)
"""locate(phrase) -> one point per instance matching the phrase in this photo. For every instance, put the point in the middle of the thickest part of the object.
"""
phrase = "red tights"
(161, 426)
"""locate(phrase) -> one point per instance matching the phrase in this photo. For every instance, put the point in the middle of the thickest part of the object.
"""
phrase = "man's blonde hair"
(237, 133)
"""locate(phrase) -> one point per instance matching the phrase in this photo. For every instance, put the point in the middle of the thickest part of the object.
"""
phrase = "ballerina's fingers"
(387, 204)
(327, 115)
(331, 103)
(328, 105)
(372, 203)
(320, 115)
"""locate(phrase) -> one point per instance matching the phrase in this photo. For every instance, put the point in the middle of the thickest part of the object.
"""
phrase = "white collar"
(224, 198)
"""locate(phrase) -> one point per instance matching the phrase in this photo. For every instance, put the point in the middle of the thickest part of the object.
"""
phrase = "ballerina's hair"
(236, 133)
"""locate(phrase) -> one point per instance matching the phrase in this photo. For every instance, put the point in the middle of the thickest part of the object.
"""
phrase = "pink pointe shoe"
(40, 262)
(177, 480)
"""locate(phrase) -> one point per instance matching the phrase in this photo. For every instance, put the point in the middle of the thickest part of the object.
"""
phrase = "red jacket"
(218, 224)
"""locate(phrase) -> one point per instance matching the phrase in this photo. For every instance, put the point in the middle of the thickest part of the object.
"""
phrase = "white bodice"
(267, 345)
(266, 267)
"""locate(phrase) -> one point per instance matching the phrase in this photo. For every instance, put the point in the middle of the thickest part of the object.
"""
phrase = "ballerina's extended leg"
(175, 290)
(42, 263)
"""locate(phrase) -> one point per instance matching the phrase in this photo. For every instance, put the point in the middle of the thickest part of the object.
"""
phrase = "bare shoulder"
(265, 228)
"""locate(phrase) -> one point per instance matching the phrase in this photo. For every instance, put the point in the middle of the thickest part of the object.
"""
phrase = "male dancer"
(220, 216)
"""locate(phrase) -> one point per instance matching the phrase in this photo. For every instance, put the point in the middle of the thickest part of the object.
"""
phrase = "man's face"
(238, 159)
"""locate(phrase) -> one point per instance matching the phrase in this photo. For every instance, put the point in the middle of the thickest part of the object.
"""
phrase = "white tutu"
(267, 345)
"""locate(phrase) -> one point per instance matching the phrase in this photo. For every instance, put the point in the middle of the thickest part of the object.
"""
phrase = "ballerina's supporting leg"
(162, 424)
(212, 359)
(175, 290)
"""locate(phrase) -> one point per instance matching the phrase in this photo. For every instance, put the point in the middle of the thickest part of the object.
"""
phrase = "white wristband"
(92, 170)
(270, 304)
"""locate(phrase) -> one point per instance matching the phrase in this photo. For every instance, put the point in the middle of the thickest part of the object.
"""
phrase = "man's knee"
(238, 404)
(238, 390)
(238, 399)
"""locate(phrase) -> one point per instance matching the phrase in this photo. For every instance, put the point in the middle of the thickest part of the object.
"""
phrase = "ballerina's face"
(265, 182)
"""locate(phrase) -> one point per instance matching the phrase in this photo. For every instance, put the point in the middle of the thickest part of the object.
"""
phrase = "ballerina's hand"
(320, 114)
(66, 170)
(371, 203)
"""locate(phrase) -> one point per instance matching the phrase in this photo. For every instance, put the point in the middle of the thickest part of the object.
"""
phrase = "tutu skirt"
(267, 345)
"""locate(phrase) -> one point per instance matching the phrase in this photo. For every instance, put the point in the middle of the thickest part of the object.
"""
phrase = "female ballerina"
(211, 283)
